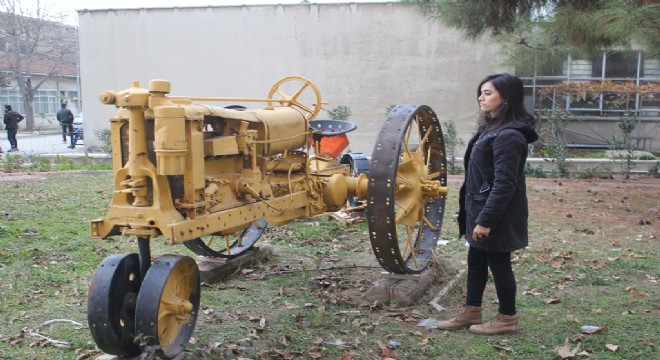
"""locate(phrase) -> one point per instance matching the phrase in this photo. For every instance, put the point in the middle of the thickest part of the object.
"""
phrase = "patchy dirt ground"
(592, 251)
(565, 214)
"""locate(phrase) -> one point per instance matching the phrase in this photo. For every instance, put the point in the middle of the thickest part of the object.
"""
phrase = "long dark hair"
(513, 109)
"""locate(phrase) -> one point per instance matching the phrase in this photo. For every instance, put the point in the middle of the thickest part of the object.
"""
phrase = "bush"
(40, 163)
(12, 163)
(341, 112)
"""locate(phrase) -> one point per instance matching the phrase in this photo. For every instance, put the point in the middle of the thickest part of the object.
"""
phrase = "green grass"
(313, 289)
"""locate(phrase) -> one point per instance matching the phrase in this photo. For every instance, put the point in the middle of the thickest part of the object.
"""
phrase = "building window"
(45, 102)
(617, 66)
(13, 98)
(594, 114)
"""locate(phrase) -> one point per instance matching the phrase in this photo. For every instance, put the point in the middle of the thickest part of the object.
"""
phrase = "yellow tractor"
(212, 177)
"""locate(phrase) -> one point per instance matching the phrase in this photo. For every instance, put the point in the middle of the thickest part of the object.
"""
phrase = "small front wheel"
(111, 304)
(168, 304)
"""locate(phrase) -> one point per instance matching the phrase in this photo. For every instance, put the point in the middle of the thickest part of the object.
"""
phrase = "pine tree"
(540, 33)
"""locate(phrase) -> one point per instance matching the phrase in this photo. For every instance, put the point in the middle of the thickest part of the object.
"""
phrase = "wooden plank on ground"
(404, 290)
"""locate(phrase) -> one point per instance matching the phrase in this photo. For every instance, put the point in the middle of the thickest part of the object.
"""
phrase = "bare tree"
(35, 47)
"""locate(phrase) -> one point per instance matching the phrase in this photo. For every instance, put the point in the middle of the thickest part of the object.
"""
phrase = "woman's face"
(490, 99)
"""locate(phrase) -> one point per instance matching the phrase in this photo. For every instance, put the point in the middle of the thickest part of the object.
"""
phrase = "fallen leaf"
(534, 292)
(565, 352)
(552, 301)
(612, 347)
(577, 337)
(208, 311)
(285, 340)
(16, 339)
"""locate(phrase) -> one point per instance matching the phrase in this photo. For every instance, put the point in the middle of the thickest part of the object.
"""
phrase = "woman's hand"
(480, 232)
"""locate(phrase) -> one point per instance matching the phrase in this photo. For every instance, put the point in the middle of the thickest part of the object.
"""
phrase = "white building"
(365, 56)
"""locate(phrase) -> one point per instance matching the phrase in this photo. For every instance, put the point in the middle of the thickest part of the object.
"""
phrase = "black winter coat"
(65, 116)
(11, 119)
(494, 193)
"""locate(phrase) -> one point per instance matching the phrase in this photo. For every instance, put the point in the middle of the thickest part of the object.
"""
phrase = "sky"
(70, 6)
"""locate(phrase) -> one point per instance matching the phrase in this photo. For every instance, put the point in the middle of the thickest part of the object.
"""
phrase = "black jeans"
(67, 129)
(479, 262)
(11, 135)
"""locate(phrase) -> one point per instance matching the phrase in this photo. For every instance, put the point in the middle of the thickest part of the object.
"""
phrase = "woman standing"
(493, 202)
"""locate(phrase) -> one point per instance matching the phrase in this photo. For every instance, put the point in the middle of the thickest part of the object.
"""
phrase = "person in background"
(493, 208)
(65, 117)
(11, 120)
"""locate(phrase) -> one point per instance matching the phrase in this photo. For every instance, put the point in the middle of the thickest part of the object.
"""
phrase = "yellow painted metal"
(174, 310)
(221, 145)
(335, 192)
(357, 186)
(301, 86)
(170, 143)
(186, 170)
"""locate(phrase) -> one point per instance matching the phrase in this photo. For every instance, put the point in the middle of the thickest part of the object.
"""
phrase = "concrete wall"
(365, 56)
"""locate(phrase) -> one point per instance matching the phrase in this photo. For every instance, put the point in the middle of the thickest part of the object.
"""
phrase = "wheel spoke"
(300, 90)
(233, 245)
(301, 106)
(295, 99)
(210, 240)
(410, 245)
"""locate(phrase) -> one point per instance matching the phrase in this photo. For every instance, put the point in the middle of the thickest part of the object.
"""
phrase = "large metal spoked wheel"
(111, 304)
(168, 304)
(404, 221)
(297, 86)
(229, 246)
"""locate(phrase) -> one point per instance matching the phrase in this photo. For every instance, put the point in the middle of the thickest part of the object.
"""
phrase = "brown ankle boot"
(500, 324)
(466, 316)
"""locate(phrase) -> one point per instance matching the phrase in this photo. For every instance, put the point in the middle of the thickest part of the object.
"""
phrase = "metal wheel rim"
(384, 194)
(111, 304)
(168, 304)
(242, 243)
